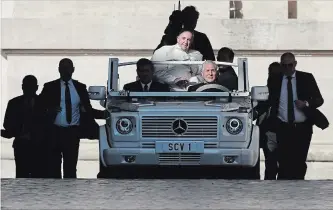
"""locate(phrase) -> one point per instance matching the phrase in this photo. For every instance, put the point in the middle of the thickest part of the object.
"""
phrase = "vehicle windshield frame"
(113, 81)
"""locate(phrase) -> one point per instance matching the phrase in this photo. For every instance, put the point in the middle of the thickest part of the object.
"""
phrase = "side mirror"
(97, 92)
(259, 93)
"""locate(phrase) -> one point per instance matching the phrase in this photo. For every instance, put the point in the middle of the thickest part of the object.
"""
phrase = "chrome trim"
(162, 127)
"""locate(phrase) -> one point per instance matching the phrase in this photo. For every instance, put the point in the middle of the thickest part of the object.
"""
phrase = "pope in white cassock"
(177, 76)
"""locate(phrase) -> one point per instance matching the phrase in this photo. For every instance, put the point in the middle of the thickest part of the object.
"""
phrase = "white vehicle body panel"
(146, 133)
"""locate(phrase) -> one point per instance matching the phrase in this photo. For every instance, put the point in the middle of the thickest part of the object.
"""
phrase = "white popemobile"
(181, 129)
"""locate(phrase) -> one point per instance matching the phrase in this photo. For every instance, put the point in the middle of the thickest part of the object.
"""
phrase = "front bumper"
(210, 157)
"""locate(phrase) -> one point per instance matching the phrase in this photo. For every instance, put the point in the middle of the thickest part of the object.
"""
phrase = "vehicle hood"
(202, 106)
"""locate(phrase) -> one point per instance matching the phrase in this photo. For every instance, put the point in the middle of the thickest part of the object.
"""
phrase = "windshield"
(145, 82)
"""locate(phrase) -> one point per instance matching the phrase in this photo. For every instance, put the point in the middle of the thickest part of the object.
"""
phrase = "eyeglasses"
(287, 64)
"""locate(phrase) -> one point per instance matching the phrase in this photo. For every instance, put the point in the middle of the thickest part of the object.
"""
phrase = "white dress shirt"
(61, 120)
(143, 85)
(283, 106)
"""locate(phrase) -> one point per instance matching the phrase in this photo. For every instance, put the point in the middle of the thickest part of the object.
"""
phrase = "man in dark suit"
(227, 76)
(290, 94)
(69, 117)
(145, 71)
(268, 140)
(20, 122)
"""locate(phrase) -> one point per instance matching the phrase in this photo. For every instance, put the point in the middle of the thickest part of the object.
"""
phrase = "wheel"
(252, 173)
(103, 171)
(121, 172)
(111, 172)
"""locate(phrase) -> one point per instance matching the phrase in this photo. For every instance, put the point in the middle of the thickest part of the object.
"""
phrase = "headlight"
(124, 125)
(234, 126)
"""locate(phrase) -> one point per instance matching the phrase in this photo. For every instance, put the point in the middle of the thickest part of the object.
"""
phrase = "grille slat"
(179, 158)
(197, 126)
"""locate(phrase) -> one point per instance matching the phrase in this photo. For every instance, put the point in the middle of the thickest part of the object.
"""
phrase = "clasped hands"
(182, 83)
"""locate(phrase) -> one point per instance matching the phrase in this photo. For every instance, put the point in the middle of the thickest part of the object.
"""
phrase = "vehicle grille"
(179, 158)
(161, 127)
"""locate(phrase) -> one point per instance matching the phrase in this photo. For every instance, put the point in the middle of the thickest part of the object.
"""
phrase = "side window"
(292, 9)
(235, 9)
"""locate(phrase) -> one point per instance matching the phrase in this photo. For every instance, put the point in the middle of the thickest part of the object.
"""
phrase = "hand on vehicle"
(6, 134)
(182, 83)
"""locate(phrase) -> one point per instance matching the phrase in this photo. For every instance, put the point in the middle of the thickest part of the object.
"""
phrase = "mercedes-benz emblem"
(179, 126)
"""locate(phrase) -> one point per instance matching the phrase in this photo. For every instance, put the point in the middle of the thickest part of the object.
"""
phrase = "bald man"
(291, 94)
(208, 74)
(69, 118)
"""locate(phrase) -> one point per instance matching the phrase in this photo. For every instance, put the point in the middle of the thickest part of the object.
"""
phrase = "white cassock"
(172, 73)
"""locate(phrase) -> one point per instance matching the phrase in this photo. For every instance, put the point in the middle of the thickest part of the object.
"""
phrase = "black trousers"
(271, 163)
(293, 146)
(271, 159)
(24, 160)
(64, 146)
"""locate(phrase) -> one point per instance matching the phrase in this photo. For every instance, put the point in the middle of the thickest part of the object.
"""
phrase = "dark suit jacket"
(14, 120)
(316, 117)
(307, 90)
(227, 77)
(202, 44)
(154, 87)
(50, 100)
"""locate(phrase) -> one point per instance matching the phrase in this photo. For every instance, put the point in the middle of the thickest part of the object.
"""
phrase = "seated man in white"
(177, 76)
(208, 76)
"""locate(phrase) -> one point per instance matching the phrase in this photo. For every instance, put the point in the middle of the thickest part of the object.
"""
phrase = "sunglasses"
(287, 64)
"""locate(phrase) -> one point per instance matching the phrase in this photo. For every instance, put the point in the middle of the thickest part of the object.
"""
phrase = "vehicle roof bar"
(177, 94)
(179, 62)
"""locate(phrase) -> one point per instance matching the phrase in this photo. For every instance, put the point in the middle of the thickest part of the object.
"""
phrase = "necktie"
(145, 88)
(68, 104)
(291, 114)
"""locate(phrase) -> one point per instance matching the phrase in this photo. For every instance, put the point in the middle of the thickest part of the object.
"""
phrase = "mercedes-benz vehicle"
(179, 129)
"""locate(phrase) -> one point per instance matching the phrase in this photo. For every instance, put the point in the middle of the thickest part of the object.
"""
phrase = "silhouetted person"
(227, 76)
(268, 141)
(70, 117)
(290, 95)
(145, 71)
(274, 69)
(172, 30)
(201, 42)
(19, 122)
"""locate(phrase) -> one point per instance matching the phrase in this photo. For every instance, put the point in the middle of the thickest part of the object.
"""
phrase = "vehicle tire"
(252, 173)
(103, 171)
(108, 172)
(116, 172)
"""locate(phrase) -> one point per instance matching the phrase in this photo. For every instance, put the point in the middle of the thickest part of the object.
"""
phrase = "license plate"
(179, 147)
